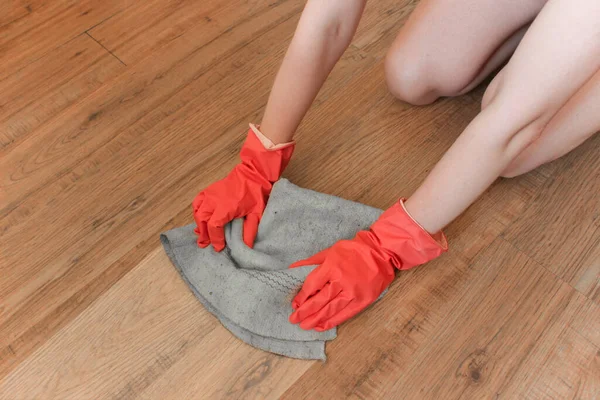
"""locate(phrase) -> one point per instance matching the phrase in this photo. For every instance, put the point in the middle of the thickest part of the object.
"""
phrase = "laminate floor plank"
(99, 157)
(61, 78)
(47, 26)
(148, 337)
(562, 229)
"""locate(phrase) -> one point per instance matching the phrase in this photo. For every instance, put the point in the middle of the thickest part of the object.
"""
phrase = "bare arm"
(557, 56)
(323, 34)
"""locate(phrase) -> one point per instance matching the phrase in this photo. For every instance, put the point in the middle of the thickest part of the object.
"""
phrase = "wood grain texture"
(99, 157)
(505, 304)
(562, 229)
(14, 11)
(108, 230)
(146, 337)
(26, 37)
(46, 87)
(140, 31)
(565, 361)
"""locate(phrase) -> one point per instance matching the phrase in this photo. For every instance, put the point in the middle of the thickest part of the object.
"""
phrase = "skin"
(324, 32)
(543, 103)
(447, 47)
(519, 111)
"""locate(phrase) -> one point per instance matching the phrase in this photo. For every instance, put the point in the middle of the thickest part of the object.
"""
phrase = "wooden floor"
(115, 113)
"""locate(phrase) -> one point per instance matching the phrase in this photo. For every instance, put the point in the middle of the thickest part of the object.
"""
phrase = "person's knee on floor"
(414, 77)
(407, 82)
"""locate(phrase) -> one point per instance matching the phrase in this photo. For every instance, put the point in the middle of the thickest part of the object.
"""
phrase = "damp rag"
(250, 289)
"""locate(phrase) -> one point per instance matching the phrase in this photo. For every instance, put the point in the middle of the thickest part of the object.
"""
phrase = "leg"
(448, 47)
(556, 58)
(575, 122)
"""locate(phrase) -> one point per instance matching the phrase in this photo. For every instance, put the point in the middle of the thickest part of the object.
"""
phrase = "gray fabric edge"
(314, 349)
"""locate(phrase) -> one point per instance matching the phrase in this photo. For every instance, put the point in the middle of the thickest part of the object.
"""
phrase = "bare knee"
(406, 80)
(418, 79)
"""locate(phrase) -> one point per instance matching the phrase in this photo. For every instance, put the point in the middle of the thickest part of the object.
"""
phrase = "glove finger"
(202, 215)
(250, 229)
(314, 282)
(317, 259)
(315, 303)
(216, 231)
(324, 314)
(202, 232)
(342, 316)
(198, 201)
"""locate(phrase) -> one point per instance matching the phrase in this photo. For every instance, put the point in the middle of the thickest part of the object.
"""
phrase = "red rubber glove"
(243, 193)
(352, 274)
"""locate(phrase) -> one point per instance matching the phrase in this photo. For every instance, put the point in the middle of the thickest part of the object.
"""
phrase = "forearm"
(469, 167)
(525, 100)
(323, 34)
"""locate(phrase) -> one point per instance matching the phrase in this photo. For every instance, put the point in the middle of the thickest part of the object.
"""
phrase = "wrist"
(438, 236)
(267, 143)
(404, 240)
(262, 161)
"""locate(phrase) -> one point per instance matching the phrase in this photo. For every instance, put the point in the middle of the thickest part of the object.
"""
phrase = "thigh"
(558, 55)
(449, 42)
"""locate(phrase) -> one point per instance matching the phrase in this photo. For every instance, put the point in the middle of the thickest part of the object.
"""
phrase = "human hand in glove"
(243, 193)
(352, 274)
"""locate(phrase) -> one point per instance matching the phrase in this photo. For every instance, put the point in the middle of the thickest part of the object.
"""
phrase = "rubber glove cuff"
(404, 240)
(263, 157)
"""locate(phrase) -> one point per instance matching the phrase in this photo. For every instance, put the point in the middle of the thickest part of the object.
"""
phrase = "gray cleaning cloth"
(250, 290)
